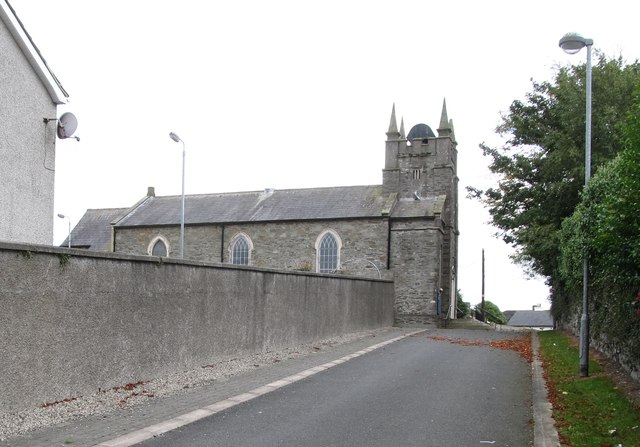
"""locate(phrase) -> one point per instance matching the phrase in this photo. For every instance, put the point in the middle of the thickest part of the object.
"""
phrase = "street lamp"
(62, 216)
(571, 43)
(177, 139)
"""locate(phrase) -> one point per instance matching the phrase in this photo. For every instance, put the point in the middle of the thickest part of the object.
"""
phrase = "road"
(429, 389)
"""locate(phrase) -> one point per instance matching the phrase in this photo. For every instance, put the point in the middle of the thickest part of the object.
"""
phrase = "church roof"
(346, 202)
(93, 231)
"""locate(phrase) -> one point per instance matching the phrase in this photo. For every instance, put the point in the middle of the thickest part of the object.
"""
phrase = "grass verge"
(591, 411)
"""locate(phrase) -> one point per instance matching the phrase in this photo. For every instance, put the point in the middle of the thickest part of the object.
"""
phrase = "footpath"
(134, 424)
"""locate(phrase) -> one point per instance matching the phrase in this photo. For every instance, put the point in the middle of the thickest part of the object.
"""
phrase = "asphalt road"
(419, 391)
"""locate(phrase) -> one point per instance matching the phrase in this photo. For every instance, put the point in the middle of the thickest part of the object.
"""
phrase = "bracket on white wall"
(67, 125)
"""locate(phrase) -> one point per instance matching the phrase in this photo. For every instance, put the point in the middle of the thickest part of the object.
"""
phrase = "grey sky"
(290, 94)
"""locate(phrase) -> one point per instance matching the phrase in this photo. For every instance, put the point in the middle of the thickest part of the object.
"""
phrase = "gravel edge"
(104, 402)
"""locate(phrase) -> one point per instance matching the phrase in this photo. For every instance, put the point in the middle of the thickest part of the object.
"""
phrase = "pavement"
(135, 424)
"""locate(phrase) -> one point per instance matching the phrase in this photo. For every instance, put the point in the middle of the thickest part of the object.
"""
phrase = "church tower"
(421, 171)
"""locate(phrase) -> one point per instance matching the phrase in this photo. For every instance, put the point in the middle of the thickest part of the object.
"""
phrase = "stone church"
(405, 229)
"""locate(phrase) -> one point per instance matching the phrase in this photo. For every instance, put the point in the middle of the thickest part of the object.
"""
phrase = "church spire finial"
(444, 129)
(393, 133)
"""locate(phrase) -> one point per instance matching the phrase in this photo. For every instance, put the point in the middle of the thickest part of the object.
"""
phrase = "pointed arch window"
(328, 252)
(159, 246)
(241, 247)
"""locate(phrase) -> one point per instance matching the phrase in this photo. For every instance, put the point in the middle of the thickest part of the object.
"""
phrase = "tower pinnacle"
(393, 133)
(444, 129)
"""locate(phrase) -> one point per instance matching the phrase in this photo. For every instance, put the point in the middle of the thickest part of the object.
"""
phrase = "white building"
(29, 96)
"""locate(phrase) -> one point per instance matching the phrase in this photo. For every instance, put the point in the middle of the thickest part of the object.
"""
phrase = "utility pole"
(482, 302)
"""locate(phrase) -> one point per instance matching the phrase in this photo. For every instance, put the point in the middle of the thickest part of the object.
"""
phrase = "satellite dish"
(67, 125)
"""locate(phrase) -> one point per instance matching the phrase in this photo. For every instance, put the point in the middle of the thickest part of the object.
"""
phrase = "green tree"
(606, 227)
(492, 313)
(540, 168)
(614, 200)
(463, 309)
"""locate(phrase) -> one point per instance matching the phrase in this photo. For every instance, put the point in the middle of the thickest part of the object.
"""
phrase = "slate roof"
(267, 206)
(93, 231)
(531, 318)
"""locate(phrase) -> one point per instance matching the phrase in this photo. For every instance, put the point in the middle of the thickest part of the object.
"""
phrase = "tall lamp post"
(571, 43)
(177, 139)
(62, 216)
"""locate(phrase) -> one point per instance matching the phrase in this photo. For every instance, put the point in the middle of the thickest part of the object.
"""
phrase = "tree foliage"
(605, 227)
(540, 168)
(463, 309)
(492, 313)
(541, 206)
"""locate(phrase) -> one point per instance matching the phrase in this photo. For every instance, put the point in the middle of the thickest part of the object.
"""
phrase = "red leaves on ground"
(63, 401)
(520, 345)
(129, 386)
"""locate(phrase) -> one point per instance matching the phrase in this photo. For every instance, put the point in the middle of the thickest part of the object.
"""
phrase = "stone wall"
(73, 321)
(420, 254)
(417, 257)
(281, 245)
(616, 350)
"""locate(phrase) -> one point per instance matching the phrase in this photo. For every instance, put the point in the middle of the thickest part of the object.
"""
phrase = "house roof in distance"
(93, 231)
(531, 318)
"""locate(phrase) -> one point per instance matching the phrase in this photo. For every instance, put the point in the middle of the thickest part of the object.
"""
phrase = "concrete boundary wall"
(73, 321)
